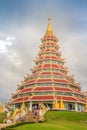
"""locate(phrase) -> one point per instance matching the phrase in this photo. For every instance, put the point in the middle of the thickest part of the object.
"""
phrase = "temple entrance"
(70, 106)
(35, 105)
(18, 105)
(49, 105)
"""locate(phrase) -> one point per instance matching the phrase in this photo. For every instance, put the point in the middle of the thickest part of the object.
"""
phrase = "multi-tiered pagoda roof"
(49, 79)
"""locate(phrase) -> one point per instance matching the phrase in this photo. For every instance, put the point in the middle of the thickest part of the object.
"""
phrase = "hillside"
(59, 120)
(65, 115)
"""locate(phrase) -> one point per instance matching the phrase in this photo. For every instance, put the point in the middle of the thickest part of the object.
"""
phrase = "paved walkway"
(4, 125)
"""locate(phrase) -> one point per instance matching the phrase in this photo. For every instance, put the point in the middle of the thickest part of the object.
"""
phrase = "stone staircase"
(30, 117)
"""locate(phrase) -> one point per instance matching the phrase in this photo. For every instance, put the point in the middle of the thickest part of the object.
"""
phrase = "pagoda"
(49, 82)
(1, 108)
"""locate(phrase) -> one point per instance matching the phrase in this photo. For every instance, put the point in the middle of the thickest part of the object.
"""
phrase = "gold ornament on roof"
(49, 30)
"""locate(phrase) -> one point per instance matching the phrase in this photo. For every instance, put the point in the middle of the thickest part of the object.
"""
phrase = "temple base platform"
(85, 111)
(59, 109)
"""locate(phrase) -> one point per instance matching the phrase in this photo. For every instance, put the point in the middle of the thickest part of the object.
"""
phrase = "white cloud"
(4, 43)
(14, 58)
(10, 38)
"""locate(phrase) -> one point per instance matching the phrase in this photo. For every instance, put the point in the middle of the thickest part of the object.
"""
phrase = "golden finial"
(49, 28)
(49, 19)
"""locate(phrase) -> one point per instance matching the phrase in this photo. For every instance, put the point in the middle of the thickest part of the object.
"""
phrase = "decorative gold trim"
(49, 30)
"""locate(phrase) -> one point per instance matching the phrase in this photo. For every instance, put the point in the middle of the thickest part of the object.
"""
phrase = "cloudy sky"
(24, 22)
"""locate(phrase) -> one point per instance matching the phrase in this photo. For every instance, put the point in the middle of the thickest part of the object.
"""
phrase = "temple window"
(44, 84)
(42, 76)
(54, 61)
(61, 85)
(59, 62)
(47, 70)
(45, 76)
(47, 54)
(57, 84)
(68, 94)
(62, 71)
(48, 84)
(82, 96)
(48, 93)
(53, 54)
(76, 95)
(56, 76)
(41, 62)
(55, 70)
(18, 105)
(27, 94)
(59, 93)
(47, 61)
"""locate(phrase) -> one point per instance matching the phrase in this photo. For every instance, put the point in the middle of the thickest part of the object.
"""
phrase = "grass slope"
(59, 120)
(2, 116)
(65, 115)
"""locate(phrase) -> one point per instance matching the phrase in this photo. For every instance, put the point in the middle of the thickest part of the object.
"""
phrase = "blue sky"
(23, 23)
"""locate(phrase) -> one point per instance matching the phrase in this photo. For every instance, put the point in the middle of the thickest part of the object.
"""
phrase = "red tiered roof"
(82, 100)
(48, 50)
(53, 57)
(44, 80)
(50, 43)
(50, 57)
(66, 98)
(63, 89)
(47, 57)
(45, 73)
(60, 80)
(39, 66)
(51, 66)
(73, 84)
(41, 57)
(47, 98)
(21, 99)
(57, 73)
(25, 90)
(50, 88)
(55, 66)
(49, 37)
(42, 98)
(62, 67)
(47, 65)
(29, 82)
(43, 88)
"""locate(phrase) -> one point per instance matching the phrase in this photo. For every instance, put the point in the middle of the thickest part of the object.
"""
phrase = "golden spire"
(1, 108)
(49, 30)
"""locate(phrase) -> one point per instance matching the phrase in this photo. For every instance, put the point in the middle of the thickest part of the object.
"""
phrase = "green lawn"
(2, 116)
(59, 120)
(55, 125)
